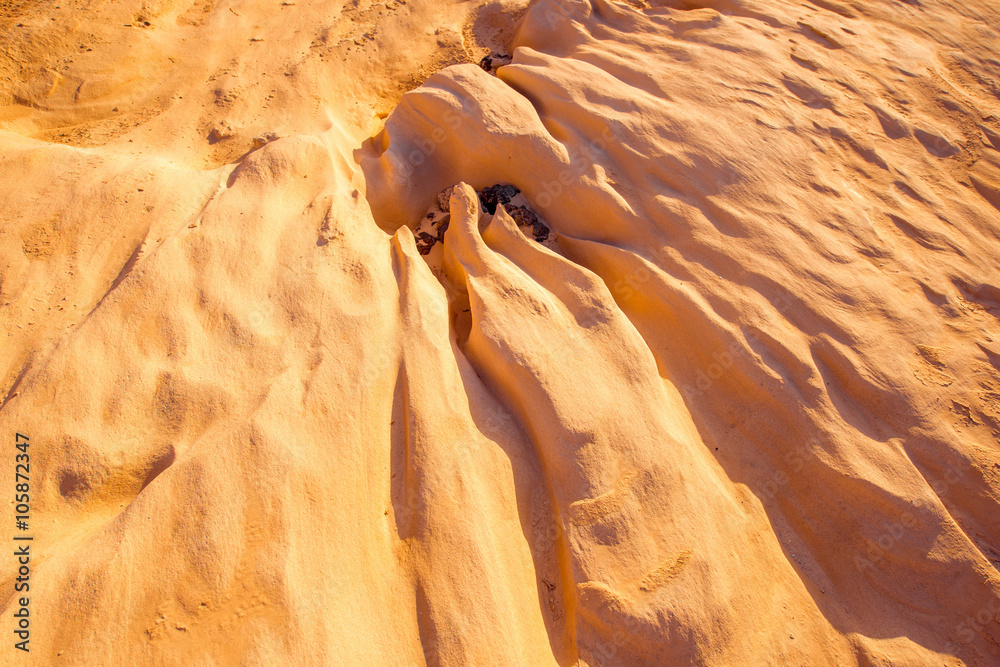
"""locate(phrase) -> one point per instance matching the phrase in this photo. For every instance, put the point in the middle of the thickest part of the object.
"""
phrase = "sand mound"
(739, 404)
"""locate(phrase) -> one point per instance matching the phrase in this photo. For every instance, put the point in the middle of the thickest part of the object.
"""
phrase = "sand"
(294, 397)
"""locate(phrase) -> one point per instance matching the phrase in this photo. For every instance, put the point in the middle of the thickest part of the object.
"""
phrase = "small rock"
(541, 232)
(496, 194)
(264, 138)
(443, 227)
(220, 131)
(523, 215)
(444, 199)
(493, 61)
(425, 242)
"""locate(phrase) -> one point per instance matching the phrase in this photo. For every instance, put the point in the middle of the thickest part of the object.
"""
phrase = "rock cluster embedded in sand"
(296, 397)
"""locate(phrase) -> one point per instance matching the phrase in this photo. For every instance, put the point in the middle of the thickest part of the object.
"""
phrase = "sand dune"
(297, 394)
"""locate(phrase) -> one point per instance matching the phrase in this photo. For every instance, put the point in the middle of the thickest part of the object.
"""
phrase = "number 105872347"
(22, 481)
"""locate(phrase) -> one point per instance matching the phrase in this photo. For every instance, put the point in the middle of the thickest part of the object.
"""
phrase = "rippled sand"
(733, 400)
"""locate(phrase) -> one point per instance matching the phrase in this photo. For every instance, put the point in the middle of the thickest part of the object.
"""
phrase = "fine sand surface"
(740, 407)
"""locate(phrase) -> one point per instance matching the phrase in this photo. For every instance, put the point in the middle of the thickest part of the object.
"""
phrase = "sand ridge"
(740, 408)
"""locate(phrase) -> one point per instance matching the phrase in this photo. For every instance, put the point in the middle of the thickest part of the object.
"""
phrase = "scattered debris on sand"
(433, 226)
(220, 131)
(525, 217)
(444, 199)
(496, 194)
(425, 242)
(493, 61)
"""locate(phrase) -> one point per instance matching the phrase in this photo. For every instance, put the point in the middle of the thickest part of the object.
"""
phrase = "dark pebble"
(494, 195)
(425, 242)
(493, 61)
(541, 231)
(523, 216)
(443, 227)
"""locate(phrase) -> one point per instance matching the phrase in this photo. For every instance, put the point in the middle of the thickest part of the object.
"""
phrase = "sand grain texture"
(742, 408)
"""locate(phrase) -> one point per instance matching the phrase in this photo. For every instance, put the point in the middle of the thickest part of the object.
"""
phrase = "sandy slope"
(744, 409)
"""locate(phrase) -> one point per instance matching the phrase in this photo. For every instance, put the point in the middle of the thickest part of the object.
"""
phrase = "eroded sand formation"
(740, 406)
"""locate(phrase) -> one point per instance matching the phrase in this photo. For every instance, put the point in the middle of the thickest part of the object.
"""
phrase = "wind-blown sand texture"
(741, 406)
